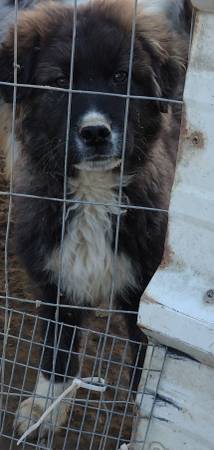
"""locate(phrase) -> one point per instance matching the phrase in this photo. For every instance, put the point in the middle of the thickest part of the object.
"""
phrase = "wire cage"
(96, 420)
(99, 421)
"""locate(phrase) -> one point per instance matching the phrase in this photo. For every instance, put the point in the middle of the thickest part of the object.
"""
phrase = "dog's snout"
(95, 134)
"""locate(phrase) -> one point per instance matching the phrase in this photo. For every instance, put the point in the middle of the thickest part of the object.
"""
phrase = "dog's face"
(95, 127)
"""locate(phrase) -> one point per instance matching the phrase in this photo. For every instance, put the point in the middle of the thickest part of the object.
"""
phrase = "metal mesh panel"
(95, 421)
(101, 421)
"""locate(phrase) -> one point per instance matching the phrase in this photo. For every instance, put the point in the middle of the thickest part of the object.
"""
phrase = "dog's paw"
(30, 412)
(32, 408)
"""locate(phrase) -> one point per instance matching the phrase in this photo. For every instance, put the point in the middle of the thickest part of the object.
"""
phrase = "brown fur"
(89, 239)
(5, 137)
(42, 20)
(45, 17)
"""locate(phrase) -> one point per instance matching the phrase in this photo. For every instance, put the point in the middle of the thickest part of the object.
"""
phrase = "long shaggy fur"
(93, 172)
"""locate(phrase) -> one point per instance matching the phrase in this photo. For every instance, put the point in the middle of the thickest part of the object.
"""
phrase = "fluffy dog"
(94, 154)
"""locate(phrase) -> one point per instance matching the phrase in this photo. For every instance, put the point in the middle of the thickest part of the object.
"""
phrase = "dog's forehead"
(97, 41)
(100, 39)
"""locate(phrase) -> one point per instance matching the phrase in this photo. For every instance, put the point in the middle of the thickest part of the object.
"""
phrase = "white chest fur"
(87, 257)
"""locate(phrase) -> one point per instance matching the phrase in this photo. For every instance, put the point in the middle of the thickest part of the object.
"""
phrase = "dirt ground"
(103, 426)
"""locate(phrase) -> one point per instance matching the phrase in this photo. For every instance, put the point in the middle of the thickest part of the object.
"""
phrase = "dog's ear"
(168, 54)
(27, 51)
(33, 29)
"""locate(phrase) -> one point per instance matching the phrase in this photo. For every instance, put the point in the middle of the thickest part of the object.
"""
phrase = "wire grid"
(96, 421)
(104, 421)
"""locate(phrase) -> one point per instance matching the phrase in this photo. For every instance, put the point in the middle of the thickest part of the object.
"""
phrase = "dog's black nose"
(94, 134)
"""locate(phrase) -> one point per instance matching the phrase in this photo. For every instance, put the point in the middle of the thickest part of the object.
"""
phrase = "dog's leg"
(58, 361)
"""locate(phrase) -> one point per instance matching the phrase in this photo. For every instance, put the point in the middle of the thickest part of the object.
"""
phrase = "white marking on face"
(87, 255)
(94, 118)
(106, 164)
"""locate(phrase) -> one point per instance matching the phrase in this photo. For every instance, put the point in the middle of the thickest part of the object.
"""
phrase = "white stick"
(76, 384)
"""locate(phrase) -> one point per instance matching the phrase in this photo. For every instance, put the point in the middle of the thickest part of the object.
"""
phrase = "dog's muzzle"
(97, 144)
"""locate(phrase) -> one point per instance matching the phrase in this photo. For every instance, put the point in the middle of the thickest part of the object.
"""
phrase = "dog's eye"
(61, 82)
(120, 77)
